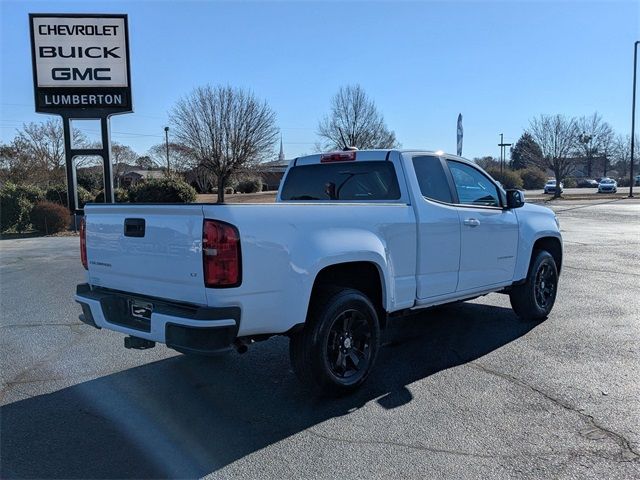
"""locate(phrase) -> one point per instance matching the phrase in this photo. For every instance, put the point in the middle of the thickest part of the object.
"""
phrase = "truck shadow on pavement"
(186, 417)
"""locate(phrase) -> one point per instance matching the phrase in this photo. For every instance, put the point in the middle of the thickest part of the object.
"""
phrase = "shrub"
(58, 194)
(533, 178)
(90, 180)
(508, 178)
(162, 190)
(121, 195)
(250, 185)
(570, 183)
(50, 217)
(16, 202)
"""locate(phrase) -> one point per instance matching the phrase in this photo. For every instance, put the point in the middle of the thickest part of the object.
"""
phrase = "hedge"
(16, 203)
(508, 178)
(162, 190)
(121, 195)
(58, 194)
(250, 185)
(50, 217)
(533, 178)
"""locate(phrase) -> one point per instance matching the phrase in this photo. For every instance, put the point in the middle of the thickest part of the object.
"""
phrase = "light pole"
(166, 143)
(633, 115)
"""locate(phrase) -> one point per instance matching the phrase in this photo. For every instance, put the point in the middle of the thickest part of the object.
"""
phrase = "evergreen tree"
(525, 152)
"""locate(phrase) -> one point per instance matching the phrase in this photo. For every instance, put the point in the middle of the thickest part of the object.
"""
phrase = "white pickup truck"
(355, 236)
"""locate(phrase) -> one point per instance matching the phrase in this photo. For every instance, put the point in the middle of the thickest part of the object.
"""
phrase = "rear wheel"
(337, 348)
(534, 299)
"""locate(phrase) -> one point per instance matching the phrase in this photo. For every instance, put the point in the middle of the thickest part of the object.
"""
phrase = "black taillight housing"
(221, 259)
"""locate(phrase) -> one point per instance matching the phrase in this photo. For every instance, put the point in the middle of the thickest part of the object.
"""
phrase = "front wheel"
(534, 299)
(336, 350)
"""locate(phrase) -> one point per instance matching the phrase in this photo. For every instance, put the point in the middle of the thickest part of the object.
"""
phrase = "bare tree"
(224, 129)
(122, 157)
(15, 166)
(557, 136)
(180, 158)
(355, 121)
(39, 147)
(202, 177)
(621, 152)
(595, 139)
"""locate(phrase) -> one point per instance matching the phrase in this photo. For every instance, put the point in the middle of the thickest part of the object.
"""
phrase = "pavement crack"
(400, 445)
(32, 325)
(628, 453)
(579, 207)
(47, 359)
(613, 272)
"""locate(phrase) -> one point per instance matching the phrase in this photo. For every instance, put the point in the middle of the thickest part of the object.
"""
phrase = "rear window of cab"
(354, 181)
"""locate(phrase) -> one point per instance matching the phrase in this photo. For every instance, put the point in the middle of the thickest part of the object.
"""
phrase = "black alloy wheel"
(545, 285)
(336, 349)
(349, 345)
(534, 299)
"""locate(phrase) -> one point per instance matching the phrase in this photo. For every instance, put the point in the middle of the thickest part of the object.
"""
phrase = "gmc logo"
(81, 74)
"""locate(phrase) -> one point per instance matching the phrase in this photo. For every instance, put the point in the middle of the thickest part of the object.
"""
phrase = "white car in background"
(550, 187)
(607, 185)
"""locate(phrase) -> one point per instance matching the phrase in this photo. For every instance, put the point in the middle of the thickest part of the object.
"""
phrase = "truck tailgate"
(153, 250)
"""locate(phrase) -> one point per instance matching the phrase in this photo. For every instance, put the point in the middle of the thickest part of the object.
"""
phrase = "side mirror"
(515, 198)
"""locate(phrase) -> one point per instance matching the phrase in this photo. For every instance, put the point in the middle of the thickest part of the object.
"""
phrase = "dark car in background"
(587, 183)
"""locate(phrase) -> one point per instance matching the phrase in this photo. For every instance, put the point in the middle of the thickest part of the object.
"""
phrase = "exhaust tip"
(240, 346)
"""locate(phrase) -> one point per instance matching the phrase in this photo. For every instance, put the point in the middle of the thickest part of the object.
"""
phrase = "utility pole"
(585, 139)
(166, 143)
(633, 115)
(503, 153)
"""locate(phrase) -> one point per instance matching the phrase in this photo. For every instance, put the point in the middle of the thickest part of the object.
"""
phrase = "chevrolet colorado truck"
(354, 238)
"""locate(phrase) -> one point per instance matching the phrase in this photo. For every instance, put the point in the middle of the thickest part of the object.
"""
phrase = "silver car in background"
(607, 185)
(550, 187)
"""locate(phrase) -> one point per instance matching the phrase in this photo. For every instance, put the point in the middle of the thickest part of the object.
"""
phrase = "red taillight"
(221, 254)
(83, 244)
(338, 157)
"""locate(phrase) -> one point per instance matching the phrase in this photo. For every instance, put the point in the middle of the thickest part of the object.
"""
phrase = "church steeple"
(281, 154)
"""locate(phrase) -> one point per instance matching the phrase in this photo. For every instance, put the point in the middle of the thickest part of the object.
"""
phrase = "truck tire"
(335, 351)
(534, 299)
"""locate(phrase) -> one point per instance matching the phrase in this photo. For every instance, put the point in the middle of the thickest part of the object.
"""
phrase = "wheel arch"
(553, 245)
(365, 276)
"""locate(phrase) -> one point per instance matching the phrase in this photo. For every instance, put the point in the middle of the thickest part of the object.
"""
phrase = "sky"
(497, 63)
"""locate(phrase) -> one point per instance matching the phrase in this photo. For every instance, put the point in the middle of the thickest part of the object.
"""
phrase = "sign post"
(81, 71)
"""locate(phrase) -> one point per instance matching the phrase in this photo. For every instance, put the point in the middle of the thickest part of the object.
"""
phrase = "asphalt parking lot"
(465, 391)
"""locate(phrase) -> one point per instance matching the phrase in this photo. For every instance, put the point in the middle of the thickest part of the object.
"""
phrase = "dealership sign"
(81, 64)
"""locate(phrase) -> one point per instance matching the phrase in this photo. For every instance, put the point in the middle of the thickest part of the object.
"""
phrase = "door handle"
(472, 222)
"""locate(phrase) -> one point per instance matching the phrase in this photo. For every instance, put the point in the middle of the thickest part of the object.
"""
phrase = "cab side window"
(473, 187)
(431, 178)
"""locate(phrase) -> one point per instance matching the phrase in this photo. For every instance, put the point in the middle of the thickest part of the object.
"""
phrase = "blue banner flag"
(460, 134)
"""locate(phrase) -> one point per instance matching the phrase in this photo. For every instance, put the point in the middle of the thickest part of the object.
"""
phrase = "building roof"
(142, 173)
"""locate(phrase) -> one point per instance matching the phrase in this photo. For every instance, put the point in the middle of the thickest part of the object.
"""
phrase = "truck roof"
(370, 155)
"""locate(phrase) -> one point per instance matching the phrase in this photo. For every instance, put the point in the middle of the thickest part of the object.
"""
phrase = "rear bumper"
(183, 327)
